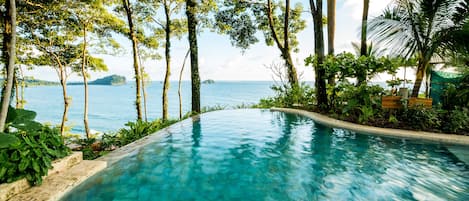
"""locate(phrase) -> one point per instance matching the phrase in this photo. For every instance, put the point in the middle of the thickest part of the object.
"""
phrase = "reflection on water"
(262, 155)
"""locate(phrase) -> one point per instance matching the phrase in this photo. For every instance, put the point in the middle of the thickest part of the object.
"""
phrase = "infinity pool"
(263, 155)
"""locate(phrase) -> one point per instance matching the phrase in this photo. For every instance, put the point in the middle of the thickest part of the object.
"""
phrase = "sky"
(219, 60)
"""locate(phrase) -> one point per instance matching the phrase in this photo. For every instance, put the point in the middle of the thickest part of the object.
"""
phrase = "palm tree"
(422, 29)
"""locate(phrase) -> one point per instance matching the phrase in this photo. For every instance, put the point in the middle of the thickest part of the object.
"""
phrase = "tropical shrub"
(30, 156)
(289, 96)
(420, 118)
(457, 121)
(134, 131)
(356, 102)
(456, 95)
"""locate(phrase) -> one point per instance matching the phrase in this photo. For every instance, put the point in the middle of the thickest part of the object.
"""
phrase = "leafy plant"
(366, 114)
(31, 155)
(456, 95)
(457, 121)
(352, 101)
(134, 131)
(6, 140)
(288, 96)
(421, 118)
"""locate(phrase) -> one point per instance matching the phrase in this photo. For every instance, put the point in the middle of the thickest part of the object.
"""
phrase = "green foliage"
(422, 28)
(457, 121)
(421, 118)
(355, 101)
(287, 96)
(347, 65)
(6, 140)
(456, 95)
(366, 113)
(31, 155)
(242, 19)
(212, 108)
(133, 132)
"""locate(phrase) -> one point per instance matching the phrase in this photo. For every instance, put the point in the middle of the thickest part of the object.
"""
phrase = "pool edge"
(128, 149)
(388, 132)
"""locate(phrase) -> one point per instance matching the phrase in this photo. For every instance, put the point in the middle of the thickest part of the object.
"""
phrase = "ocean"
(110, 107)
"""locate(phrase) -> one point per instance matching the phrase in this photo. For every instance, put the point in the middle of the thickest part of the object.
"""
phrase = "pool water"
(263, 155)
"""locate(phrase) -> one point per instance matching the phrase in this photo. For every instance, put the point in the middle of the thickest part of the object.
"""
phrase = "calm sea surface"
(110, 107)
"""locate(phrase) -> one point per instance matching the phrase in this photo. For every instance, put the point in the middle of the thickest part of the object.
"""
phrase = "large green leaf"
(7, 139)
(30, 126)
(23, 116)
(11, 116)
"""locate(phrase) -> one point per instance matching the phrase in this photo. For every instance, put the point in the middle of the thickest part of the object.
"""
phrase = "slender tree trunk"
(285, 47)
(191, 6)
(330, 26)
(292, 75)
(133, 38)
(320, 72)
(179, 84)
(144, 91)
(17, 90)
(85, 82)
(331, 4)
(9, 57)
(63, 83)
(168, 61)
(361, 78)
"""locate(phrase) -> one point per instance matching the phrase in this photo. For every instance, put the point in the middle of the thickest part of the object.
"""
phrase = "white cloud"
(355, 7)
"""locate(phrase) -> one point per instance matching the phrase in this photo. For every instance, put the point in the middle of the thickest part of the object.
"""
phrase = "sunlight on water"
(263, 155)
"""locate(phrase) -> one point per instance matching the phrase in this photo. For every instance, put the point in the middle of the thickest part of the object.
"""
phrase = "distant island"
(112, 80)
(209, 81)
(31, 82)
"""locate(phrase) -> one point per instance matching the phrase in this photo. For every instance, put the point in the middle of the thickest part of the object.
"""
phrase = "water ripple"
(262, 155)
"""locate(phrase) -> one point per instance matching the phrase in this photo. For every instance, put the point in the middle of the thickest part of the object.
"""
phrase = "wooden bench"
(391, 102)
(394, 102)
(425, 102)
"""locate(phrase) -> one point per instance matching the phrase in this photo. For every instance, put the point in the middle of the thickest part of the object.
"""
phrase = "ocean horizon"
(111, 107)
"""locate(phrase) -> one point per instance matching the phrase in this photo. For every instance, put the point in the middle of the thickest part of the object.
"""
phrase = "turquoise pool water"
(263, 155)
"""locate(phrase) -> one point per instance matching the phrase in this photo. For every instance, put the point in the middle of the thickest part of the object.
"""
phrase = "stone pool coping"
(66, 173)
(388, 132)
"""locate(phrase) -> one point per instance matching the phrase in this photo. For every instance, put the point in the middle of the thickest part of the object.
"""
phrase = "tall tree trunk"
(9, 57)
(292, 75)
(168, 61)
(331, 4)
(421, 67)
(85, 82)
(191, 6)
(144, 90)
(320, 82)
(63, 83)
(285, 47)
(179, 84)
(428, 72)
(361, 78)
(133, 38)
(330, 26)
